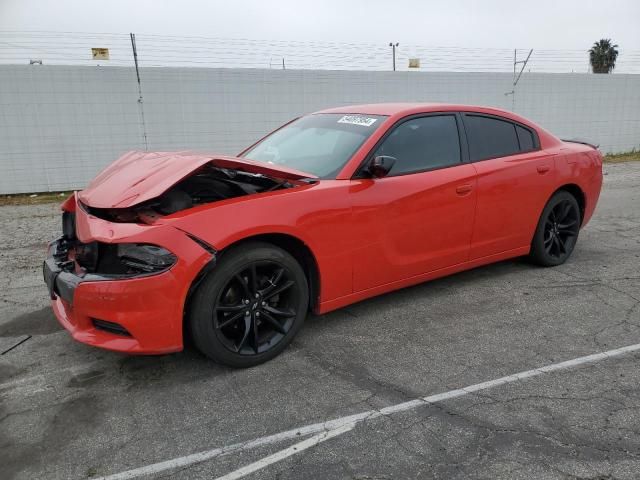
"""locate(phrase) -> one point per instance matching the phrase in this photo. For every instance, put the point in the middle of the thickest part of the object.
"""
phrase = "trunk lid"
(140, 176)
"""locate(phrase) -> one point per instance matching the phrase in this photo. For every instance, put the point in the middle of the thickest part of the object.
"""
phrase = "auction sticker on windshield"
(358, 120)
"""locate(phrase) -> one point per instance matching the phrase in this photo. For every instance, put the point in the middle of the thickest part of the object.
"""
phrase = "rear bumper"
(136, 315)
(592, 193)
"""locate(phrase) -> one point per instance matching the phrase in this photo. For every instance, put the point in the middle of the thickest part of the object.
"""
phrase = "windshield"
(320, 144)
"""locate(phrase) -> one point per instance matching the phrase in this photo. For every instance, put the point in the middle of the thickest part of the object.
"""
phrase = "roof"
(409, 108)
(398, 110)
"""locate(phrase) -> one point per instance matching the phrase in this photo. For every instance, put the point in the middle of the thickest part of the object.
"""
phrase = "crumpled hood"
(140, 176)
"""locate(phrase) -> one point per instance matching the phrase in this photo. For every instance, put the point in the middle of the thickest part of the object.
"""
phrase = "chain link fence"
(74, 48)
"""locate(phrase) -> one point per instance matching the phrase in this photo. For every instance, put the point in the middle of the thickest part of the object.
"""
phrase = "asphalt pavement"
(71, 411)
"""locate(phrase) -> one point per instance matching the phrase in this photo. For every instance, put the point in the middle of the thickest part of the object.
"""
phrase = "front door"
(420, 217)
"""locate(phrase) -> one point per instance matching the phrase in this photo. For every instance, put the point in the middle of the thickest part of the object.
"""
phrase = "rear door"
(513, 182)
(420, 217)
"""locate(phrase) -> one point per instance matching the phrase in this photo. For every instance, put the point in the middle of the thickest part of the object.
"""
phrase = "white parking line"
(287, 452)
(344, 424)
(200, 457)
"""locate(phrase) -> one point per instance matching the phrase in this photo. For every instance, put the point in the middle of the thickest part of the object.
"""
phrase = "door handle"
(463, 189)
(543, 169)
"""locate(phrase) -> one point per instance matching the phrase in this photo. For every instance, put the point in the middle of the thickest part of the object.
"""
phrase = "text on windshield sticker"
(358, 120)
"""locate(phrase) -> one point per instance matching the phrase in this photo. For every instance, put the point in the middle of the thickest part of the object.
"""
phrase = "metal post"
(140, 99)
(393, 46)
(517, 79)
(513, 83)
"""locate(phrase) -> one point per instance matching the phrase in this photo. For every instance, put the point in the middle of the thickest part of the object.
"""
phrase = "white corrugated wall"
(59, 125)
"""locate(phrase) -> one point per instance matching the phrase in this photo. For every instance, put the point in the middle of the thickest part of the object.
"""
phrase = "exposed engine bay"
(208, 184)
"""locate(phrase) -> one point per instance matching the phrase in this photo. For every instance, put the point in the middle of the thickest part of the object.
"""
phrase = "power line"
(73, 48)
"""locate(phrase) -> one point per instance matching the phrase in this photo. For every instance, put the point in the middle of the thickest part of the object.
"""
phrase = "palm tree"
(603, 56)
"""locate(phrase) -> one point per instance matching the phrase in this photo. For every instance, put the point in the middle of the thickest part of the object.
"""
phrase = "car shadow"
(38, 322)
(430, 288)
(190, 366)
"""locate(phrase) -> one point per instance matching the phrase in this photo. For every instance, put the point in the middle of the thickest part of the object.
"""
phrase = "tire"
(557, 231)
(250, 306)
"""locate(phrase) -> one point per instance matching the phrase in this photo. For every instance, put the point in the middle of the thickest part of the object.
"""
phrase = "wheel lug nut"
(264, 304)
(257, 295)
(257, 314)
(247, 313)
(246, 301)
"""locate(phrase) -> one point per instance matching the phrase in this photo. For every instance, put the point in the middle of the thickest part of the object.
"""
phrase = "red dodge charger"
(331, 208)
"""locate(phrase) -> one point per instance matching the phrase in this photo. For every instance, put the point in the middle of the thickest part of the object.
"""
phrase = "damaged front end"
(208, 184)
(120, 274)
(70, 261)
(122, 286)
(141, 187)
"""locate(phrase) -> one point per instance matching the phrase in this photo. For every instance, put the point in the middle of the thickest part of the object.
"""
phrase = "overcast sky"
(562, 24)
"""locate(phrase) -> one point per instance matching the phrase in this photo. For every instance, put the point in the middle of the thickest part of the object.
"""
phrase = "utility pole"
(393, 46)
(140, 99)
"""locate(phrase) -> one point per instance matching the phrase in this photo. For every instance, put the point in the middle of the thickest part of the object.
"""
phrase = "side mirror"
(380, 166)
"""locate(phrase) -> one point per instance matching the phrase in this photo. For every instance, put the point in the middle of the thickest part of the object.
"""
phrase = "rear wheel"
(250, 306)
(557, 231)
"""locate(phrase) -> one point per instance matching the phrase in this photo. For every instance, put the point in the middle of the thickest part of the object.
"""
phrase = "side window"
(423, 143)
(525, 137)
(490, 137)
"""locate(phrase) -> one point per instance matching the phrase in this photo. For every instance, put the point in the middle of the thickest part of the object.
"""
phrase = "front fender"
(320, 217)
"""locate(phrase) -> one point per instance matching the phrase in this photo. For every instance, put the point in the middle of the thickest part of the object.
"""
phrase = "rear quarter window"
(525, 137)
(490, 137)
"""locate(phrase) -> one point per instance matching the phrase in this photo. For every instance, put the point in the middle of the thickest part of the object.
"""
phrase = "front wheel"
(250, 306)
(557, 231)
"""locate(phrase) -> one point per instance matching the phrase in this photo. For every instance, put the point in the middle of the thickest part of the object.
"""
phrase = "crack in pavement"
(350, 421)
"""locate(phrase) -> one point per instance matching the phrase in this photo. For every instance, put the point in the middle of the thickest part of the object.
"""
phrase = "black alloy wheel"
(557, 231)
(255, 309)
(561, 229)
(250, 306)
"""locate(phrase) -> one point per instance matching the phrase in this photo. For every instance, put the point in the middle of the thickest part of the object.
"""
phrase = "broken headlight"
(87, 255)
(123, 259)
(145, 258)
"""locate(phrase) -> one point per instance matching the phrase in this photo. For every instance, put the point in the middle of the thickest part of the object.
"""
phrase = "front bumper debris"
(139, 314)
(58, 274)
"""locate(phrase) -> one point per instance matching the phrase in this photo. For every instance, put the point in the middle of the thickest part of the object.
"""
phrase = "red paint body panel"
(426, 224)
(140, 176)
(511, 196)
(147, 308)
(326, 228)
(150, 308)
(367, 236)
